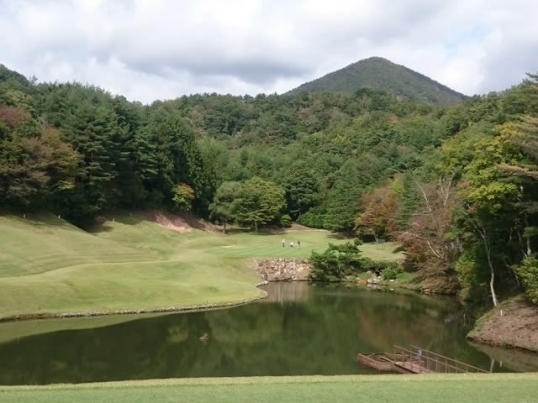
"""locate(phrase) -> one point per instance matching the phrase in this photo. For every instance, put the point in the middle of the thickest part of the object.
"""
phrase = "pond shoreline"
(172, 309)
(273, 336)
(513, 324)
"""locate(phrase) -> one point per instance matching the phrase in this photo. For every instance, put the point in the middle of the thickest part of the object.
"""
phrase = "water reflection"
(299, 329)
(515, 360)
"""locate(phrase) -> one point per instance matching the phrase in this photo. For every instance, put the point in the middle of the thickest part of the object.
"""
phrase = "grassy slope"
(49, 266)
(38, 245)
(490, 388)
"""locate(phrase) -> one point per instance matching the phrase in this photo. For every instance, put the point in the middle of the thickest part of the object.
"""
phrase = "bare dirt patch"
(299, 227)
(177, 222)
(516, 327)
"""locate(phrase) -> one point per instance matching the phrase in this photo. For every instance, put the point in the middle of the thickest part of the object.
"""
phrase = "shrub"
(528, 271)
(285, 221)
(340, 261)
(183, 196)
(389, 274)
(336, 262)
(369, 265)
(311, 220)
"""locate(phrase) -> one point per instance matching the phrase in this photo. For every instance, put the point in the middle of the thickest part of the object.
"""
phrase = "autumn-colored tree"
(427, 241)
(35, 163)
(378, 215)
(13, 117)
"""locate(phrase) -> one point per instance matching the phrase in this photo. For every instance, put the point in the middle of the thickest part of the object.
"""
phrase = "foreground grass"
(48, 266)
(467, 388)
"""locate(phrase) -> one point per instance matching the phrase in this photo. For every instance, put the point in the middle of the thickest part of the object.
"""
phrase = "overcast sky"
(161, 49)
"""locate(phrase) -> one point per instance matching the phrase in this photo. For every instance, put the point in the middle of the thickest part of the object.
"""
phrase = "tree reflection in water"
(299, 329)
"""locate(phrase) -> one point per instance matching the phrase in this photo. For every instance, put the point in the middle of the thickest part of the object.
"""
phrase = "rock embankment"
(514, 323)
(282, 269)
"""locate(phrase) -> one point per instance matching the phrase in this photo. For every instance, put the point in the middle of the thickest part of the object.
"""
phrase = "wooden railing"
(419, 360)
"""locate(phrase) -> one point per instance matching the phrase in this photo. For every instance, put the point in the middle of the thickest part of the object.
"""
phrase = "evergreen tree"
(259, 203)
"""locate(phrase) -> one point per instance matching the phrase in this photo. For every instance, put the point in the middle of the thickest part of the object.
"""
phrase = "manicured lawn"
(49, 266)
(487, 388)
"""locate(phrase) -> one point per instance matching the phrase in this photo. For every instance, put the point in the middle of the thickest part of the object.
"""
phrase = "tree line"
(455, 186)
(471, 217)
(79, 151)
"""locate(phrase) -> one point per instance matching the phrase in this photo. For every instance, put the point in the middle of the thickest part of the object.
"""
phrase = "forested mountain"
(381, 74)
(454, 185)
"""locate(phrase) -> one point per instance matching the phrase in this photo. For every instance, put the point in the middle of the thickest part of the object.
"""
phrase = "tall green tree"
(223, 208)
(302, 187)
(490, 203)
(343, 198)
(260, 202)
(177, 159)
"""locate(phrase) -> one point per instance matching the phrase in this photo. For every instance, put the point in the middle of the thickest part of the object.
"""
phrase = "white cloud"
(155, 49)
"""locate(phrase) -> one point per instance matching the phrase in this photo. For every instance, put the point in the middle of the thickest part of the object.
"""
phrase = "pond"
(299, 329)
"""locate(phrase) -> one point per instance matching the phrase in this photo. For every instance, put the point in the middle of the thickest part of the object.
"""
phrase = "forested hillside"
(381, 74)
(454, 185)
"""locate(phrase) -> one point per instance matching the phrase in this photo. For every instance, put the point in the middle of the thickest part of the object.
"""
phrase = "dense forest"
(381, 74)
(454, 185)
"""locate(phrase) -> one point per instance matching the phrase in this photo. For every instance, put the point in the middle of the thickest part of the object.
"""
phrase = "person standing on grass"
(299, 244)
(283, 243)
(291, 244)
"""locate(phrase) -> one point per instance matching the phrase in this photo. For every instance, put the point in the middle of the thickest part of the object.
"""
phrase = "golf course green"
(49, 267)
(130, 264)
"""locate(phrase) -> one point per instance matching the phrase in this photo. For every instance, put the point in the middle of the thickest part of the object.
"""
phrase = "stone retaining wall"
(282, 269)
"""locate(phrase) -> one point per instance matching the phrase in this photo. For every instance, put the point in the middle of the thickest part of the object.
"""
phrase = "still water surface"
(300, 329)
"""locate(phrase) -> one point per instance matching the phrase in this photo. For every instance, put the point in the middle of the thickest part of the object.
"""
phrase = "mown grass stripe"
(48, 266)
(490, 388)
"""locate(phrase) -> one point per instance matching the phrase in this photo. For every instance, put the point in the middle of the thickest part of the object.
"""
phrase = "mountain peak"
(379, 73)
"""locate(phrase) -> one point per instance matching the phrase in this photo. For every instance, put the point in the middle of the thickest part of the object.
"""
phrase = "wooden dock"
(381, 362)
(415, 360)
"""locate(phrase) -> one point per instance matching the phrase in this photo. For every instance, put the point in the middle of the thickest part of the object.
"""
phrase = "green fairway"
(487, 388)
(48, 266)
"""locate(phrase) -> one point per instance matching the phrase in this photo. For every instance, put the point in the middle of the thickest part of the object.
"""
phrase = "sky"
(162, 49)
